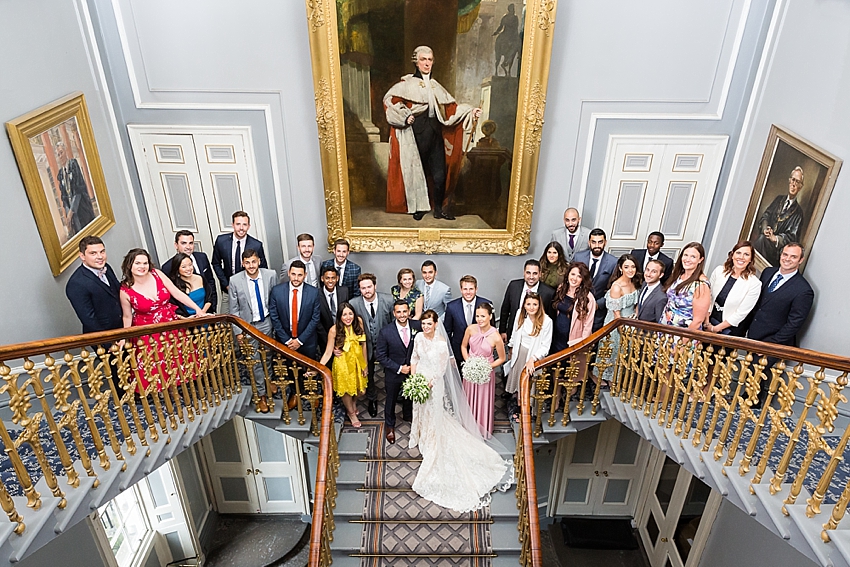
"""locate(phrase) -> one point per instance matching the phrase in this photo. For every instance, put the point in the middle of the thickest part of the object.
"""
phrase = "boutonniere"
(413, 331)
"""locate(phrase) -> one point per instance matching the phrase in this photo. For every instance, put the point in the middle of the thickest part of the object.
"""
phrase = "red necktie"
(294, 313)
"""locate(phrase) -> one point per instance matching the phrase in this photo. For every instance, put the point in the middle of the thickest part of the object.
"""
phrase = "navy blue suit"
(349, 276)
(222, 257)
(97, 305)
(308, 317)
(392, 354)
(205, 271)
(779, 314)
(606, 267)
(455, 323)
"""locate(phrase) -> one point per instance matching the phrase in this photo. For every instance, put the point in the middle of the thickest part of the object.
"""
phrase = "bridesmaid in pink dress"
(145, 296)
(479, 340)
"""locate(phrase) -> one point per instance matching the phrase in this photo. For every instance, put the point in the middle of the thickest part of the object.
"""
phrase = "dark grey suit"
(653, 304)
(373, 325)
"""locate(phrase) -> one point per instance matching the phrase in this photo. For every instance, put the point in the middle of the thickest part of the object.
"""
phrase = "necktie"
(469, 314)
(259, 299)
(786, 206)
(775, 283)
(294, 313)
(572, 241)
(404, 338)
(427, 295)
(339, 274)
(372, 309)
(102, 275)
(332, 301)
(593, 268)
(237, 258)
(642, 297)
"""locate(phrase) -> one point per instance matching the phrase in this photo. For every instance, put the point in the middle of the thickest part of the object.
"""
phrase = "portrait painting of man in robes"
(430, 94)
(792, 191)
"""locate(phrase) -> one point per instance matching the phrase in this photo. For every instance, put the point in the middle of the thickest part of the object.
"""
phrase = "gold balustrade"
(116, 391)
(704, 389)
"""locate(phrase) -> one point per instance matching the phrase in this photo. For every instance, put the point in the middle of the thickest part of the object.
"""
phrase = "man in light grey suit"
(249, 300)
(572, 236)
(376, 310)
(652, 299)
(306, 244)
(436, 294)
(601, 265)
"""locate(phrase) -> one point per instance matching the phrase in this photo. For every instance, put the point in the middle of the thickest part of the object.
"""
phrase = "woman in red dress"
(145, 295)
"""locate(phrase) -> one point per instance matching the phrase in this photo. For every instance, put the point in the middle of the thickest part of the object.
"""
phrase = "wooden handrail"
(535, 547)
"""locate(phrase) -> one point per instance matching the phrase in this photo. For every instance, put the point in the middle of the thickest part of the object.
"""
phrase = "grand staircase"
(76, 430)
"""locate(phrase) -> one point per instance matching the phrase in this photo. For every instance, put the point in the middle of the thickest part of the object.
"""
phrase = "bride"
(459, 468)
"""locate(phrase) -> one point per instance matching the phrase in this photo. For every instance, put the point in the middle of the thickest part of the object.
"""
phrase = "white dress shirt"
(785, 278)
(252, 297)
(340, 269)
(312, 278)
(236, 261)
(399, 328)
(466, 305)
(101, 274)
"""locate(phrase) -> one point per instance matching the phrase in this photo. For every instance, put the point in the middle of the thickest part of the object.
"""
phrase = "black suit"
(222, 257)
(653, 304)
(326, 319)
(511, 304)
(97, 305)
(392, 354)
(640, 256)
(779, 314)
(205, 271)
(455, 323)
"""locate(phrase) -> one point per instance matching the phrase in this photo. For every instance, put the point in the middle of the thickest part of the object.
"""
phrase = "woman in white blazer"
(530, 340)
(735, 289)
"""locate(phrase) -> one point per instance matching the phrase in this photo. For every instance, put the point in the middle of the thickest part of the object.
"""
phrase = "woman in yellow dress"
(347, 344)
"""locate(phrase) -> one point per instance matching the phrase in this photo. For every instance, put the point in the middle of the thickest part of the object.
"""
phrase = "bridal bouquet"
(476, 370)
(416, 388)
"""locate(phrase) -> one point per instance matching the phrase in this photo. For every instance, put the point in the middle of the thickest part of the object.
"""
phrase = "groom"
(393, 350)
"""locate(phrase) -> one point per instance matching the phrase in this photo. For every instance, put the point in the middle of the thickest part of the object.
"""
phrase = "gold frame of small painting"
(57, 156)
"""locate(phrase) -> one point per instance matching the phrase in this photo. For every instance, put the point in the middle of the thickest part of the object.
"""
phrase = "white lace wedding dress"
(459, 471)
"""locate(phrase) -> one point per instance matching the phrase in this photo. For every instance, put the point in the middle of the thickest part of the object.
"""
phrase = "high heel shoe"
(354, 421)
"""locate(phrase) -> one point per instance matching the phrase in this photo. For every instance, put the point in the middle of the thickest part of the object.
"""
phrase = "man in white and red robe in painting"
(429, 129)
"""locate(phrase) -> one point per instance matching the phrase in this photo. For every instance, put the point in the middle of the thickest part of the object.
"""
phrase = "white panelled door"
(663, 183)
(195, 179)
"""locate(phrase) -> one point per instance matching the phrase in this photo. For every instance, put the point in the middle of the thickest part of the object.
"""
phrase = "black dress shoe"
(408, 418)
(447, 216)
(391, 435)
(373, 408)
(419, 214)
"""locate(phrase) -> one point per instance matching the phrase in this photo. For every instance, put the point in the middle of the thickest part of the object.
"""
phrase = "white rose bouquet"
(476, 370)
(416, 388)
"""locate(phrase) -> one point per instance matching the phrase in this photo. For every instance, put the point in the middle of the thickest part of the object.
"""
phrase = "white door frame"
(136, 131)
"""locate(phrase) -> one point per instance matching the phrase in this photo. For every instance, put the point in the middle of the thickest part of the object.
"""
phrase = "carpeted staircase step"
(411, 506)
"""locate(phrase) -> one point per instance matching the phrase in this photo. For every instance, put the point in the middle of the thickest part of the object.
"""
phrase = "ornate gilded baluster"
(816, 443)
(213, 362)
(691, 386)
(714, 361)
(622, 373)
(733, 406)
(569, 381)
(175, 367)
(128, 372)
(583, 380)
(539, 394)
(838, 512)
(678, 384)
(74, 374)
(102, 366)
(34, 380)
(190, 370)
(836, 456)
(101, 398)
(281, 371)
(752, 381)
(701, 389)
(811, 396)
(193, 338)
(8, 506)
(19, 404)
(29, 434)
(652, 346)
(248, 360)
(786, 398)
(233, 385)
(266, 374)
(773, 386)
(635, 355)
(162, 378)
(312, 395)
(722, 387)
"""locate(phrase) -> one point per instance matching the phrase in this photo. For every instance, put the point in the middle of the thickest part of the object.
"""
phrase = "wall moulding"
(367, 89)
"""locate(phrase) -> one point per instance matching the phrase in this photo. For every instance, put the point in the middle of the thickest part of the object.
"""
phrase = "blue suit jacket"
(222, 252)
(206, 272)
(778, 315)
(391, 352)
(97, 305)
(349, 277)
(455, 323)
(308, 317)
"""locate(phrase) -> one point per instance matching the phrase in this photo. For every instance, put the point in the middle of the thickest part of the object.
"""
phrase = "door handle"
(605, 473)
(250, 471)
(258, 471)
(664, 540)
(596, 473)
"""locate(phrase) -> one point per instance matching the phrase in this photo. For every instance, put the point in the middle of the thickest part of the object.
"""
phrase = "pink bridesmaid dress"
(481, 397)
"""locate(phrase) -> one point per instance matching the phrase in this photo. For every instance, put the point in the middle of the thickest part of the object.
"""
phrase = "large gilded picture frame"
(390, 186)
(56, 153)
(791, 192)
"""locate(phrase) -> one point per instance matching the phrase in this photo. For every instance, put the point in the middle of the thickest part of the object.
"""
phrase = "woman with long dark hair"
(574, 320)
(530, 340)
(735, 289)
(347, 343)
(553, 265)
(621, 299)
(186, 280)
(688, 290)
